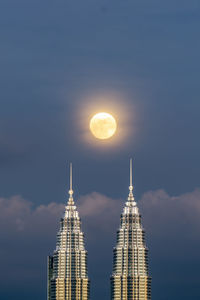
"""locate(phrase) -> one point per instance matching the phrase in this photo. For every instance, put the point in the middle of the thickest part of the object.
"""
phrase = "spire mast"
(131, 179)
(70, 176)
(130, 196)
(131, 172)
(70, 201)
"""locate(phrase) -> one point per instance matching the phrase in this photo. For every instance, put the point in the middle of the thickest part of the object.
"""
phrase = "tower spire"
(131, 173)
(131, 199)
(70, 176)
(130, 196)
(70, 201)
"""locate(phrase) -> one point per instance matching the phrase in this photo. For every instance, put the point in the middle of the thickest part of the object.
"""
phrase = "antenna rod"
(70, 176)
(131, 173)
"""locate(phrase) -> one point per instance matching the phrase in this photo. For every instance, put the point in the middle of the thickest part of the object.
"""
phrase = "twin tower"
(67, 267)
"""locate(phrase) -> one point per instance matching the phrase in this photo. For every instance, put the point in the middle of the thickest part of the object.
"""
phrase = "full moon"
(103, 125)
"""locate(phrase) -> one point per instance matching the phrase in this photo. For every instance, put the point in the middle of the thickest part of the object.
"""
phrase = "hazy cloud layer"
(20, 215)
(157, 207)
(169, 214)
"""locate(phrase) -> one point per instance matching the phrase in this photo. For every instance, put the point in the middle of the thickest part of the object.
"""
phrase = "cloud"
(95, 204)
(160, 211)
(168, 215)
(18, 214)
(13, 212)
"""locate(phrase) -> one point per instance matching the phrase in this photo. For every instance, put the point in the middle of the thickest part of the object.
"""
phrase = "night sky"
(62, 61)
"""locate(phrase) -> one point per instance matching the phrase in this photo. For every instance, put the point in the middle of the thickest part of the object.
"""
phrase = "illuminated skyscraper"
(130, 279)
(67, 268)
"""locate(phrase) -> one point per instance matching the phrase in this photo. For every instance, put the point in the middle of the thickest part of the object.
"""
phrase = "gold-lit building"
(67, 267)
(130, 278)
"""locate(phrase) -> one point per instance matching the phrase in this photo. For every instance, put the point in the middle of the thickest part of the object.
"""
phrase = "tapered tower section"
(130, 278)
(67, 268)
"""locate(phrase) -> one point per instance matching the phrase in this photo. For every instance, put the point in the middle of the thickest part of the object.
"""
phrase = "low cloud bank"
(171, 215)
(161, 212)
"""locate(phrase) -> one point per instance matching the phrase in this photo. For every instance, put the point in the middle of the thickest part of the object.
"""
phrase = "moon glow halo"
(103, 125)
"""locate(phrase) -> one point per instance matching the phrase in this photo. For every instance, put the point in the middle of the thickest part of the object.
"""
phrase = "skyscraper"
(67, 268)
(130, 279)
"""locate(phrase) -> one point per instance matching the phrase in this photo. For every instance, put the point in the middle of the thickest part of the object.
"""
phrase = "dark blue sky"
(57, 59)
